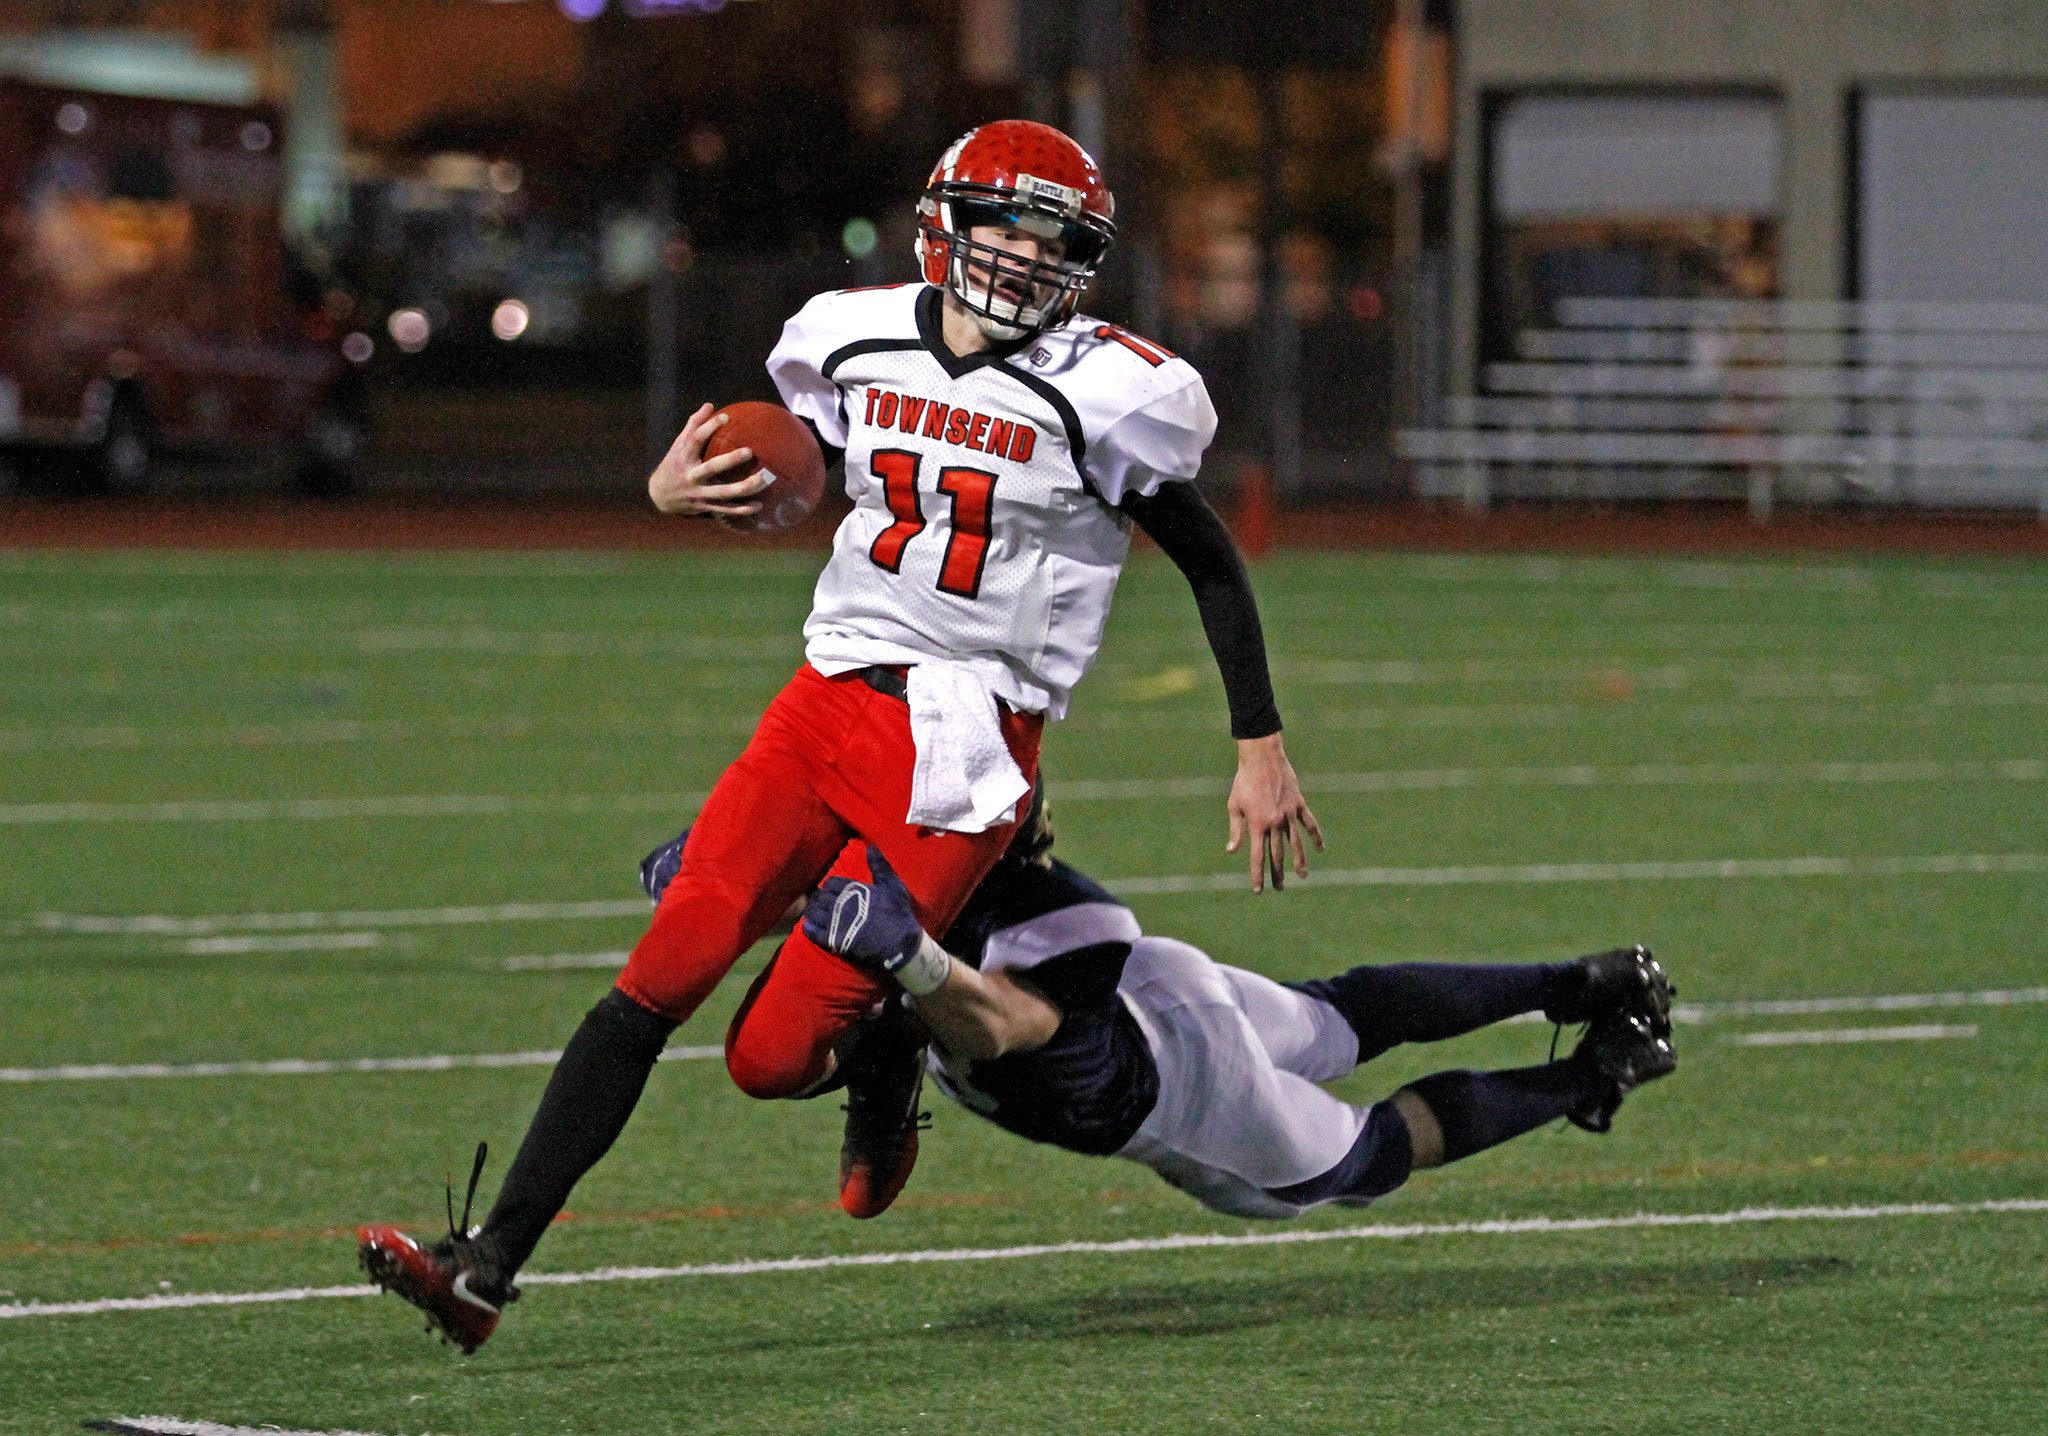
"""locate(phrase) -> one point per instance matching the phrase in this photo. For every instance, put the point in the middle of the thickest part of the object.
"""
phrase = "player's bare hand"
(1266, 805)
(685, 482)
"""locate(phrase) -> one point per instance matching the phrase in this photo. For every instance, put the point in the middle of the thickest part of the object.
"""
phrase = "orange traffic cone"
(1255, 510)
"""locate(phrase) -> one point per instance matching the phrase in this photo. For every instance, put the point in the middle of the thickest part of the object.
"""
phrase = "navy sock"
(596, 1084)
(1477, 1110)
(1429, 1001)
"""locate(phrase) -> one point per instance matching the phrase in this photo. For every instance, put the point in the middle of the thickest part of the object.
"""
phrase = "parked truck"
(147, 302)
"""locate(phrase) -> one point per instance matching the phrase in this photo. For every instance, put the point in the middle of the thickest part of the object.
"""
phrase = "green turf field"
(320, 808)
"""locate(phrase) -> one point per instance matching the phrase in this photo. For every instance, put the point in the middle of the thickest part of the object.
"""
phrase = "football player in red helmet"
(998, 450)
(1012, 225)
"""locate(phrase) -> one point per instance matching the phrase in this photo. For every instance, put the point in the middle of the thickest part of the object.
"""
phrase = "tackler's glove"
(659, 868)
(871, 924)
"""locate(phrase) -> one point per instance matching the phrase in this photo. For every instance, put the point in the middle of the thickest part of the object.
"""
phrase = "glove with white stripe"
(872, 924)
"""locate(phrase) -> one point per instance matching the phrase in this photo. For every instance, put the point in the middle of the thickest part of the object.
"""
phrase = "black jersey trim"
(862, 346)
(1077, 443)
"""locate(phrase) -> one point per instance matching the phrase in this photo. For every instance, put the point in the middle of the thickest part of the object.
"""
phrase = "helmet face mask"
(989, 181)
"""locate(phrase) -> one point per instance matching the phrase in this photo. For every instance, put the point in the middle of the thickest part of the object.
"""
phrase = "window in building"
(1951, 196)
(1624, 196)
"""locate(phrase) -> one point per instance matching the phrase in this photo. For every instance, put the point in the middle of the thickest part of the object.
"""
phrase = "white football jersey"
(984, 525)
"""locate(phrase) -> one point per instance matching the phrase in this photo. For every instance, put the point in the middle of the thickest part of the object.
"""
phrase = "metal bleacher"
(1927, 405)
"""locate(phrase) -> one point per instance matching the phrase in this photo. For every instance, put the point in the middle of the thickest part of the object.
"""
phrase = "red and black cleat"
(884, 1079)
(451, 1281)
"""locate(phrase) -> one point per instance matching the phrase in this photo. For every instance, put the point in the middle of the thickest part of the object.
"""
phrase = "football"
(786, 448)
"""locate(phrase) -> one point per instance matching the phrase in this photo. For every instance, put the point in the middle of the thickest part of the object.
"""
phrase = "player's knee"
(657, 991)
(1378, 1162)
(771, 1070)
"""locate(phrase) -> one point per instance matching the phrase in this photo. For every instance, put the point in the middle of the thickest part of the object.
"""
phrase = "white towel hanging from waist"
(965, 780)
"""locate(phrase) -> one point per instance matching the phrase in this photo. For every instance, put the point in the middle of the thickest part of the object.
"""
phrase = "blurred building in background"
(1341, 211)
(1881, 150)
(1759, 252)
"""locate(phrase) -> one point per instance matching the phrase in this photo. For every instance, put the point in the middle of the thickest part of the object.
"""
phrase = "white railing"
(1935, 405)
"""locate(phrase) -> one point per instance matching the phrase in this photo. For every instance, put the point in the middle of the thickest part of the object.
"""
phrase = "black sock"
(1429, 1001)
(1477, 1110)
(594, 1089)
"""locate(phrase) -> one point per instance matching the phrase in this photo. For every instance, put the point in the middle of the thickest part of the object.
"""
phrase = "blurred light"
(358, 347)
(629, 250)
(582, 9)
(126, 62)
(255, 136)
(1365, 303)
(409, 329)
(451, 169)
(506, 176)
(72, 117)
(509, 319)
(706, 146)
(859, 238)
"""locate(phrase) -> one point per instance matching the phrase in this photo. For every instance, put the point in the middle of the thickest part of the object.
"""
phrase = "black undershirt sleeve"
(1180, 521)
(835, 457)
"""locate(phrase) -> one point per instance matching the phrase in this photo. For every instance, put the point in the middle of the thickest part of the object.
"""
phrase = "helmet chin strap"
(995, 328)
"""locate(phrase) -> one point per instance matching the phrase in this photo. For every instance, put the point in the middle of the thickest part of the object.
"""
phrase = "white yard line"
(1931, 865)
(1579, 775)
(313, 1067)
(327, 732)
(282, 942)
(316, 732)
(737, 657)
(115, 736)
(1524, 1226)
(161, 925)
(1921, 709)
(1927, 1032)
(557, 961)
(1692, 1013)
(1709, 869)
(1080, 790)
(380, 563)
(313, 810)
(1503, 717)
(174, 1426)
(1889, 1002)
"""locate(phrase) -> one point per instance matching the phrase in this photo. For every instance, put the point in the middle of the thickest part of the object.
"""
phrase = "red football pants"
(829, 765)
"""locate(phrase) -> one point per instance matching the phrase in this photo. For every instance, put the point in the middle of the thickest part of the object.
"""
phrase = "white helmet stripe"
(950, 160)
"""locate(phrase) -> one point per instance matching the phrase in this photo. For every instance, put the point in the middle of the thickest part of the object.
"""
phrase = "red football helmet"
(1037, 183)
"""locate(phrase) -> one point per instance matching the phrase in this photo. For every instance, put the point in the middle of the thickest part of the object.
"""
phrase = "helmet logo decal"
(1065, 197)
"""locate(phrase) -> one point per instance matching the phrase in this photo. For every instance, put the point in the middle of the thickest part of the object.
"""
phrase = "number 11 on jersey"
(972, 494)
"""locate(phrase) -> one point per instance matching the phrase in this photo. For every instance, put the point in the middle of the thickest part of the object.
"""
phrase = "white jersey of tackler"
(984, 524)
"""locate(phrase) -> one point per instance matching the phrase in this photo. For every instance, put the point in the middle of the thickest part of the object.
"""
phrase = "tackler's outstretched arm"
(974, 1015)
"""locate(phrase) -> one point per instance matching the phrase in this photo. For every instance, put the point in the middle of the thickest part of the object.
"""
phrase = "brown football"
(783, 445)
